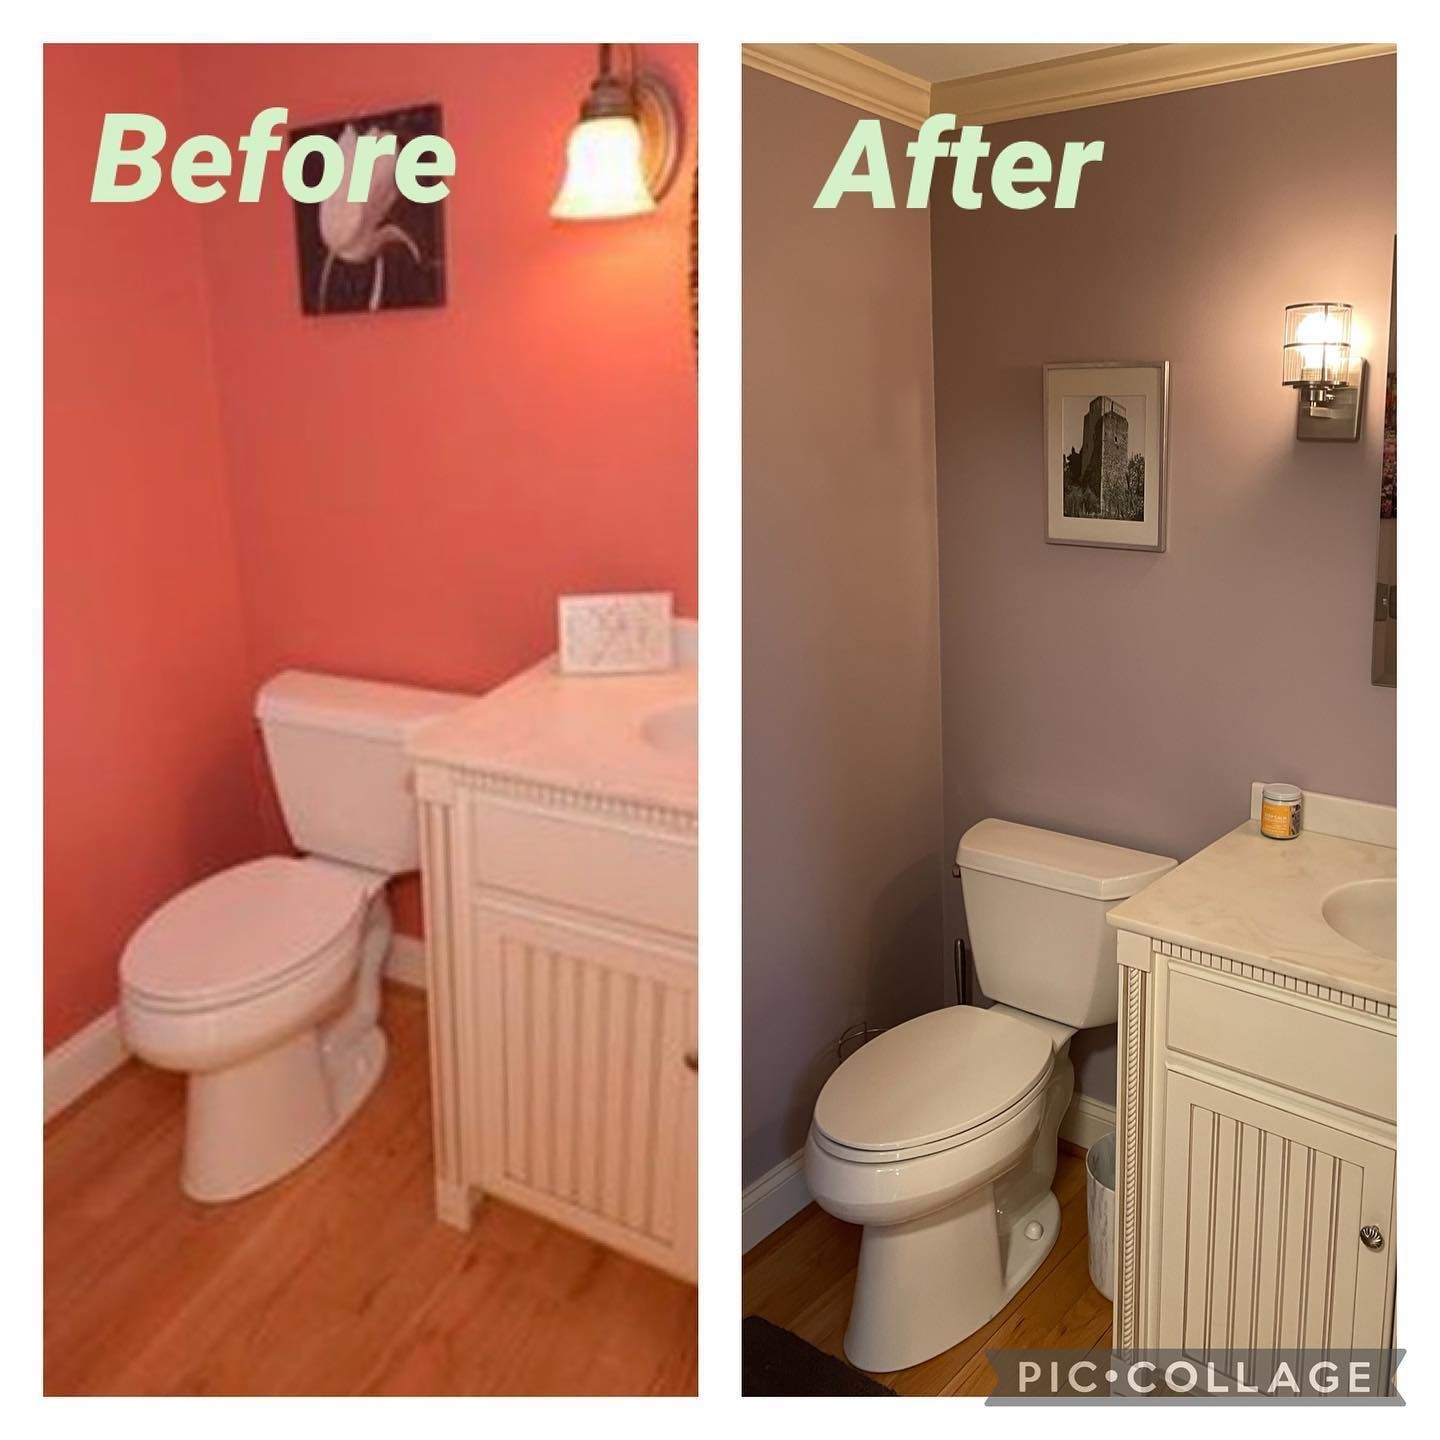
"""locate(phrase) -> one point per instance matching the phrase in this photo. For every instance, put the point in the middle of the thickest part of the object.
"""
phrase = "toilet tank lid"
(371, 708)
(1058, 862)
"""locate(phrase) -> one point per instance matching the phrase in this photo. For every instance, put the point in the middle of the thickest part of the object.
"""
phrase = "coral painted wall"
(411, 490)
(406, 493)
(148, 778)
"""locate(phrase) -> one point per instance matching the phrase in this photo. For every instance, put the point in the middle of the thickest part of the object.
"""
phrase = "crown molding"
(1072, 82)
(845, 74)
(1127, 72)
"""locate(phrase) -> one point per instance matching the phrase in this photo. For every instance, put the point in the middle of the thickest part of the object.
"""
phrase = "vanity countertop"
(629, 737)
(1259, 900)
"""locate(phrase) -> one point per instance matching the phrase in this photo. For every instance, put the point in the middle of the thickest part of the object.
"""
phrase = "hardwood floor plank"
(816, 1245)
(337, 1280)
(549, 1312)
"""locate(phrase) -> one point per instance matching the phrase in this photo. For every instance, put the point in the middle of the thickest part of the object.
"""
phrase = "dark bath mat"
(775, 1362)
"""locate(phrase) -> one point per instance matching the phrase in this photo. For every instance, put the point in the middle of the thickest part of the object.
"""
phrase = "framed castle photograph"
(1105, 454)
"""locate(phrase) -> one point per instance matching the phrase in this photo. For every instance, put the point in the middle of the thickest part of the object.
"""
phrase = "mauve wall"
(842, 821)
(1134, 697)
(148, 782)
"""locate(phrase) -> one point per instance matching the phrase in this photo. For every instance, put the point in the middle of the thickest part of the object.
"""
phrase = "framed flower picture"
(1105, 454)
(382, 253)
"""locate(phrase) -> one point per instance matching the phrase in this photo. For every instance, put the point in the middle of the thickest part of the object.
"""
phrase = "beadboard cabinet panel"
(587, 1088)
(1261, 1245)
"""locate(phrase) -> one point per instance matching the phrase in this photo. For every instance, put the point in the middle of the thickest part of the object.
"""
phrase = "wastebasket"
(1100, 1211)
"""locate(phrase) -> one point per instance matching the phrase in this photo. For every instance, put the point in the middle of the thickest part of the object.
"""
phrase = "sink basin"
(675, 729)
(1364, 913)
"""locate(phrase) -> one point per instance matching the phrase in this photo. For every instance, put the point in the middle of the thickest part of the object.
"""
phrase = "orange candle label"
(1279, 821)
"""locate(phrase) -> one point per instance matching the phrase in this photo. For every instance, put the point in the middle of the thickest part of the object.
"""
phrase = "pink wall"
(148, 780)
(1129, 696)
(412, 490)
(405, 493)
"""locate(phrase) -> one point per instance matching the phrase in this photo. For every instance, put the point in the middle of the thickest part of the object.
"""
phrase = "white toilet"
(262, 983)
(939, 1136)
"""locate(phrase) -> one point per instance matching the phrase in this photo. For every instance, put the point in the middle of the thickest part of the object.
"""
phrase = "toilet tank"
(336, 749)
(1035, 903)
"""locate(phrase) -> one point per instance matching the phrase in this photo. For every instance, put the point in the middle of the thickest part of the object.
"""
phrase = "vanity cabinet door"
(1262, 1213)
(585, 1036)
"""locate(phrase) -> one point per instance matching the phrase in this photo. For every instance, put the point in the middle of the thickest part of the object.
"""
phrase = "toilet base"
(252, 1124)
(1021, 1255)
(903, 1312)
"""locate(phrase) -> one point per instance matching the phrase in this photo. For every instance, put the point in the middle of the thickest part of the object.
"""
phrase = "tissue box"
(615, 634)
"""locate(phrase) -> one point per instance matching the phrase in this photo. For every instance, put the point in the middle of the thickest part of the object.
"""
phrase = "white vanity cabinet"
(1256, 1112)
(561, 968)
(1256, 1144)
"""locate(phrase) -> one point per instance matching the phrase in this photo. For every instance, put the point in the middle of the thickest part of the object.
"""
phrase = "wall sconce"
(624, 153)
(1319, 365)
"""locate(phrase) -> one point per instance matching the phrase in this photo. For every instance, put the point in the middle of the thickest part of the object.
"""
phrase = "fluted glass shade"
(604, 172)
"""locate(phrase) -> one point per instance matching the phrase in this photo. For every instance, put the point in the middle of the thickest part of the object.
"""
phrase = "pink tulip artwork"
(384, 252)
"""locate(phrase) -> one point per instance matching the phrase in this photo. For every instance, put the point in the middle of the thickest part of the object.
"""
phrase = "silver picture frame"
(1103, 472)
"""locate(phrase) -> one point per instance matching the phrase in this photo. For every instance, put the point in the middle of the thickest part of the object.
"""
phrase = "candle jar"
(1280, 807)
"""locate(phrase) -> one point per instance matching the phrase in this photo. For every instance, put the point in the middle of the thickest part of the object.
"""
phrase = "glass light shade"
(604, 172)
(1317, 344)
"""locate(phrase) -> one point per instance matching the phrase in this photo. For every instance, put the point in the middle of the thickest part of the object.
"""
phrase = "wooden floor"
(801, 1278)
(338, 1280)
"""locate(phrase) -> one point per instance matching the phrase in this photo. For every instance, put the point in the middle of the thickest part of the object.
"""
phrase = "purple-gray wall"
(843, 843)
(1133, 697)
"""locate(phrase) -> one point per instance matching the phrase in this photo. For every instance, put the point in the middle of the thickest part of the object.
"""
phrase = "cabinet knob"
(692, 1061)
(1371, 1238)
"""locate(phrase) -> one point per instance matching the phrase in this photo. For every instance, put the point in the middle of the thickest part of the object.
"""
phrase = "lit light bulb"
(604, 172)
(1315, 331)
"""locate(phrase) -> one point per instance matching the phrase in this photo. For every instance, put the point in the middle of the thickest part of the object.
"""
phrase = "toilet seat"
(242, 933)
(932, 1084)
(949, 1144)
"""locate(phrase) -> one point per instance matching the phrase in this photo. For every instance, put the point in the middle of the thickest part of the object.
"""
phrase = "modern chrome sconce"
(624, 153)
(1319, 365)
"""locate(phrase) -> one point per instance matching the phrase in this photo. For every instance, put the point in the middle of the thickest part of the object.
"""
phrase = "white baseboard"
(405, 964)
(780, 1193)
(87, 1057)
(83, 1061)
(771, 1200)
(1086, 1121)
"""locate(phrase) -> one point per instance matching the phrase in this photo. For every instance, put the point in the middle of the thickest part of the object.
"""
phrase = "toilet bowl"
(262, 983)
(915, 1137)
(940, 1135)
